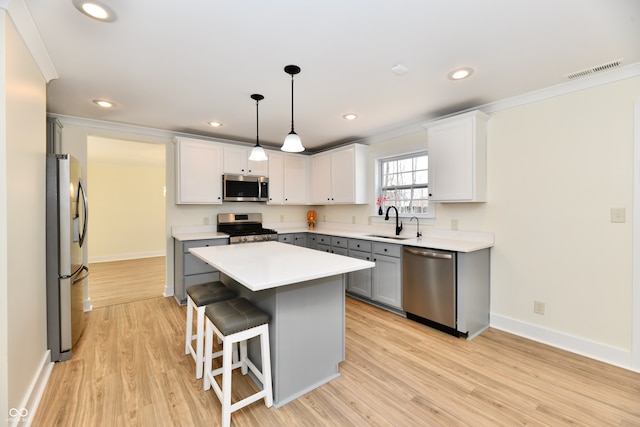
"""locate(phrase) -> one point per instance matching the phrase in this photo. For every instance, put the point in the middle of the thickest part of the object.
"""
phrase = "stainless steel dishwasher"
(429, 287)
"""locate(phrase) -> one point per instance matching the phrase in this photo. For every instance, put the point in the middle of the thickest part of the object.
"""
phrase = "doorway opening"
(126, 189)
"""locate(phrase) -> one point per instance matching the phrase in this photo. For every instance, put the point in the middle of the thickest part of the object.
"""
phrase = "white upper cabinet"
(340, 175)
(236, 161)
(458, 158)
(295, 179)
(276, 178)
(321, 179)
(287, 178)
(198, 172)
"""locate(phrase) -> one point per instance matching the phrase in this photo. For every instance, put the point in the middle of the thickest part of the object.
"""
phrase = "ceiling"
(177, 65)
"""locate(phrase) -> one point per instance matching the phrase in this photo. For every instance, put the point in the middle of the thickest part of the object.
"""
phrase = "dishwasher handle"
(428, 254)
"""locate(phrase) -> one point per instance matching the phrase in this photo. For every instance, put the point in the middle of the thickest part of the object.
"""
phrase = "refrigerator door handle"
(85, 221)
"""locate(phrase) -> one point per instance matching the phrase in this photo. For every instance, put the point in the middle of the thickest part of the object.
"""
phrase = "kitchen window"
(403, 183)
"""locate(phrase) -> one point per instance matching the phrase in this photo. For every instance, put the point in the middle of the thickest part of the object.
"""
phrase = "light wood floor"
(119, 282)
(130, 369)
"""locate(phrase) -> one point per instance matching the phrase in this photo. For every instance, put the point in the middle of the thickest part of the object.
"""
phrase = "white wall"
(555, 169)
(127, 212)
(22, 221)
(75, 136)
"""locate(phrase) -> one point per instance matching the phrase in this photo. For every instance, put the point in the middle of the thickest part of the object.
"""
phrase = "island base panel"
(306, 333)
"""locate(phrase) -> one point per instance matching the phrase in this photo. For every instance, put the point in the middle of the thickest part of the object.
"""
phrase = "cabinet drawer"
(285, 238)
(322, 239)
(365, 255)
(387, 249)
(360, 245)
(339, 242)
(324, 248)
(203, 243)
(339, 251)
(194, 265)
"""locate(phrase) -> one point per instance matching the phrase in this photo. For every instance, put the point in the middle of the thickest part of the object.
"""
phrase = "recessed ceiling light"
(104, 103)
(350, 116)
(94, 9)
(399, 70)
(214, 124)
(460, 73)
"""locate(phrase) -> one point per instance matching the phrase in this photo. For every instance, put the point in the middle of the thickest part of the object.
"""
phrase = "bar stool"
(198, 296)
(236, 321)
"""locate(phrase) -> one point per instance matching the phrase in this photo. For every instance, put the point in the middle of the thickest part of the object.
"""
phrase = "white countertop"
(459, 241)
(266, 265)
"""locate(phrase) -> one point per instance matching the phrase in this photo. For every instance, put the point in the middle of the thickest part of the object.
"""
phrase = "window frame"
(430, 214)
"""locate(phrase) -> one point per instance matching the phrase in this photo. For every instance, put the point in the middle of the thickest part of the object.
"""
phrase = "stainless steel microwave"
(244, 188)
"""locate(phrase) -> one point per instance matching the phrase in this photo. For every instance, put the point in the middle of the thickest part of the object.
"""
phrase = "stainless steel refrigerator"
(67, 268)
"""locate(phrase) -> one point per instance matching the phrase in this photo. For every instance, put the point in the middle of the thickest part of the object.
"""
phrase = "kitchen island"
(303, 291)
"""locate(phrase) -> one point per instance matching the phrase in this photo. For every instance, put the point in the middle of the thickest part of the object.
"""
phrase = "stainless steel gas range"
(245, 228)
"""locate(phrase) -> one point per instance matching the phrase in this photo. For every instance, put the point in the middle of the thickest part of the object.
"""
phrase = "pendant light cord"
(257, 135)
(292, 103)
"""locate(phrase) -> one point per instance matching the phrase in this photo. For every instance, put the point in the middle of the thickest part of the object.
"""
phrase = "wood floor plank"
(129, 368)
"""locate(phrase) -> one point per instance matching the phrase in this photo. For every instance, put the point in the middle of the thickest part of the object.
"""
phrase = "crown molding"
(21, 17)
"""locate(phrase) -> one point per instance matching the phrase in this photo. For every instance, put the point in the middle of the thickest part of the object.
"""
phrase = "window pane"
(403, 183)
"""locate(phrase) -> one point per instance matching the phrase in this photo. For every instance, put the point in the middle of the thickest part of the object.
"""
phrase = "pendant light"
(257, 152)
(292, 142)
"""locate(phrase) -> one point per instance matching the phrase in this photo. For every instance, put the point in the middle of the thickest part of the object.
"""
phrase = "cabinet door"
(260, 168)
(199, 172)
(359, 282)
(321, 178)
(387, 281)
(295, 179)
(300, 239)
(457, 159)
(276, 178)
(235, 160)
(343, 176)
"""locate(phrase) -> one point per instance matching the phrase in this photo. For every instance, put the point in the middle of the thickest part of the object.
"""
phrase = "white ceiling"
(176, 65)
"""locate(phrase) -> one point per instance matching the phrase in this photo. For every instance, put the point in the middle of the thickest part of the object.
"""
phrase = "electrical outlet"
(617, 215)
(205, 220)
(353, 219)
(454, 224)
(281, 218)
(538, 307)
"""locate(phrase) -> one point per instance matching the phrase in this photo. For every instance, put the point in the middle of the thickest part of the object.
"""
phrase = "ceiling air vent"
(596, 69)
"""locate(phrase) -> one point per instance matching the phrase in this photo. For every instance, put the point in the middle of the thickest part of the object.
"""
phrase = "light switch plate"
(617, 215)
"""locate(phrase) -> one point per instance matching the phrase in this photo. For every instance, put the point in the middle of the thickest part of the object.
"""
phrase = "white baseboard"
(591, 349)
(31, 400)
(124, 257)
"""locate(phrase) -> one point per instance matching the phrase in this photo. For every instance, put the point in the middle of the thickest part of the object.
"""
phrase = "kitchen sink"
(380, 236)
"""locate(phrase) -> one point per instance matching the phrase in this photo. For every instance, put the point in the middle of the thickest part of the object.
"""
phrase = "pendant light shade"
(257, 152)
(292, 142)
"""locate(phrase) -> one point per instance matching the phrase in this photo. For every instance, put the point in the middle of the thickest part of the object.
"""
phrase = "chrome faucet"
(418, 233)
(386, 218)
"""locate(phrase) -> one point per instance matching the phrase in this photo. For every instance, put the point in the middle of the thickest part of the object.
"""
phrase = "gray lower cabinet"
(387, 274)
(359, 282)
(298, 239)
(189, 270)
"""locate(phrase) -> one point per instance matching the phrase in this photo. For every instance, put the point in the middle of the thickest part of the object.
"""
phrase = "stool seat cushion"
(208, 293)
(235, 315)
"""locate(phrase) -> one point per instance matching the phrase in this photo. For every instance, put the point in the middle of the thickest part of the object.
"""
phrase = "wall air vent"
(596, 69)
